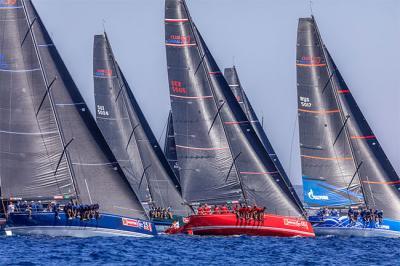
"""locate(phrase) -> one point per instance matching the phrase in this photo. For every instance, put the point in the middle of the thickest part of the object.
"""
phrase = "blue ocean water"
(188, 250)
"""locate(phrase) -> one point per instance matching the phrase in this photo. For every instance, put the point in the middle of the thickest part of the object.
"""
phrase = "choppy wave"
(186, 250)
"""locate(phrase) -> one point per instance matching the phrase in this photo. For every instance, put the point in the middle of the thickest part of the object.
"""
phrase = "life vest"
(200, 211)
(224, 210)
(216, 210)
(207, 210)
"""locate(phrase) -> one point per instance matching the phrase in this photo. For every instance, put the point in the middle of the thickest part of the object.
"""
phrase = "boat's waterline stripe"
(176, 19)
(192, 97)
(103, 230)
(382, 183)
(319, 111)
(201, 228)
(201, 149)
(327, 158)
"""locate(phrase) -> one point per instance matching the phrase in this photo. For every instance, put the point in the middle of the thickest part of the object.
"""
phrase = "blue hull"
(46, 223)
(341, 226)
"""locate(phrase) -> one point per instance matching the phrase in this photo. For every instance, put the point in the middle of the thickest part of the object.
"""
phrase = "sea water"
(195, 250)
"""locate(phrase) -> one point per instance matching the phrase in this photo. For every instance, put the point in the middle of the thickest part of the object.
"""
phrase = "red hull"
(229, 224)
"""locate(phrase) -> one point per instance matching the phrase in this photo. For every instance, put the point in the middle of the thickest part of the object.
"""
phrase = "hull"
(340, 226)
(46, 223)
(229, 224)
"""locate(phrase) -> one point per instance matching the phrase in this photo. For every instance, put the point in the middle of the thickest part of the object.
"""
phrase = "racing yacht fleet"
(65, 173)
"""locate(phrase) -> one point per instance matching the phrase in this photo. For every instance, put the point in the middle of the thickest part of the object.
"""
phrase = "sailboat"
(343, 165)
(52, 153)
(221, 159)
(170, 146)
(233, 80)
(131, 139)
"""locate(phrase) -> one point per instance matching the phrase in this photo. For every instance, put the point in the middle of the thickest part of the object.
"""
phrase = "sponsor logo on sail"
(310, 60)
(8, 2)
(177, 87)
(3, 62)
(103, 73)
(178, 39)
(315, 197)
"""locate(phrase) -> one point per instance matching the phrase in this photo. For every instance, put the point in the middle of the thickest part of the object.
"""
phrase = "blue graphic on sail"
(321, 193)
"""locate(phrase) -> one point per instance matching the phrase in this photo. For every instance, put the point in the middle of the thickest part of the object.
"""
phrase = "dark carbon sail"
(129, 135)
(380, 181)
(50, 143)
(328, 169)
(170, 148)
(220, 155)
(233, 80)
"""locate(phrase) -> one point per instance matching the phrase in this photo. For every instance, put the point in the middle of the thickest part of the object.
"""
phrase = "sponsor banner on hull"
(137, 223)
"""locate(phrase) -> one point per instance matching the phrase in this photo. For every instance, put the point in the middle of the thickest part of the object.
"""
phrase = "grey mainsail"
(129, 135)
(233, 80)
(50, 144)
(326, 155)
(342, 126)
(170, 146)
(220, 156)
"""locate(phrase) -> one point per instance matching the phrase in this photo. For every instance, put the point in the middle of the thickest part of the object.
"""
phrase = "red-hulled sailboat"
(220, 157)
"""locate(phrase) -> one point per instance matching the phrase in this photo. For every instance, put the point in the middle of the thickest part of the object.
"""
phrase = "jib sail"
(233, 80)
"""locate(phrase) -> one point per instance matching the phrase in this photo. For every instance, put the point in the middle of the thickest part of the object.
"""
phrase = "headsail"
(71, 157)
(329, 172)
(379, 179)
(170, 146)
(233, 80)
(129, 135)
(220, 155)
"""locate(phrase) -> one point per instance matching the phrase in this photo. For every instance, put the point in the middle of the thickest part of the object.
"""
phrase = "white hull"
(70, 231)
(352, 231)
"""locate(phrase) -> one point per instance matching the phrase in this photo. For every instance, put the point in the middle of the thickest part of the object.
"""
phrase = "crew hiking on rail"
(242, 212)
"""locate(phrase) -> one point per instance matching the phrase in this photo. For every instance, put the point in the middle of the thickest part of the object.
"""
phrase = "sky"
(259, 37)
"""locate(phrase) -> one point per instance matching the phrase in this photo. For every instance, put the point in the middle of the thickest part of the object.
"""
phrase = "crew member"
(224, 209)
(200, 210)
(207, 209)
(216, 210)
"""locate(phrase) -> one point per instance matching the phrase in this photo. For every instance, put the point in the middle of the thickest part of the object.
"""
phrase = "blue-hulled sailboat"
(343, 165)
(58, 175)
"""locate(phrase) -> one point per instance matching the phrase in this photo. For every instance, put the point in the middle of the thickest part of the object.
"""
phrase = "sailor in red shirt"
(242, 212)
(216, 210)
(224, 209)
(207, 209)
(200, 210)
